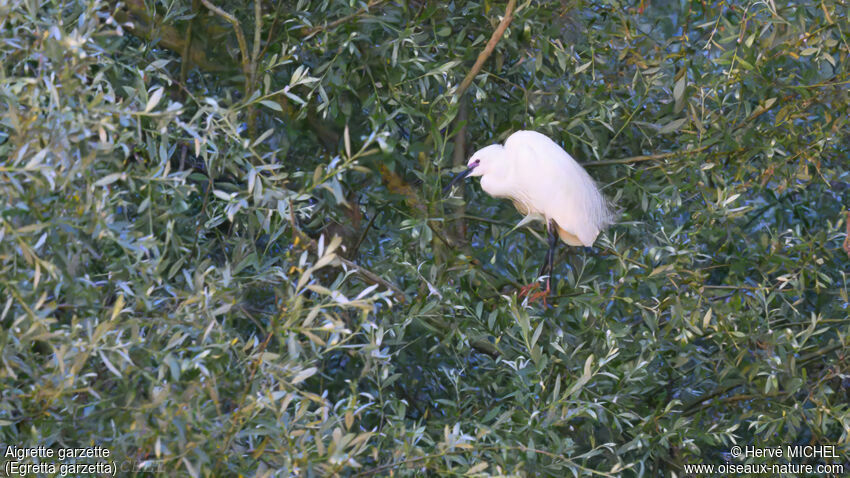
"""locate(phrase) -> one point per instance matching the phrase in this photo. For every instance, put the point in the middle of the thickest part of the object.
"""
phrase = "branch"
(458, 159)
(488, 50)
(366, 274)
(459, 155)
(271, 31)
(240, 37)
(186, 63)
(258, 31)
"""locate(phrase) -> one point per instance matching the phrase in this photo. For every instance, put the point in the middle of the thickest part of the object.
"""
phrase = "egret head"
(480, 162)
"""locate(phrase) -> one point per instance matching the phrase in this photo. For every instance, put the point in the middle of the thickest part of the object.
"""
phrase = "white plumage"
(544, 182)
(542, 179)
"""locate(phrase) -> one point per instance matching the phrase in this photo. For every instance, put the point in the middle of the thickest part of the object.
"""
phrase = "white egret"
(546, 183)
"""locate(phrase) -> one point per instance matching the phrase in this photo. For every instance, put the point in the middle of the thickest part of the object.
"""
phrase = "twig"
(394, 464)
(708, 396)
(356, 247)
(187, 60)
(373, 278)
(488, 50)
(271, 31)
(623, 126)
(481, 345)
(239, 410)
(329, 26)
(651, 157)
(738, 398)
(804, 360)
(846, 244)
(561, 457)
(366, 274)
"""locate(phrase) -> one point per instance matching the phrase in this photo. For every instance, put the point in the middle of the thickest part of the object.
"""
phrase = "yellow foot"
(543, 294)
(524, 290)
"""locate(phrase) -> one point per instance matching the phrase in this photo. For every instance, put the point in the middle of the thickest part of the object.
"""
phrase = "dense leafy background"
(178, 196)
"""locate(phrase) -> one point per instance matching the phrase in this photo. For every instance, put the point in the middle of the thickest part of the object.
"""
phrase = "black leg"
(547, 267)
(546, 261)
(550, 256)
(544, 266)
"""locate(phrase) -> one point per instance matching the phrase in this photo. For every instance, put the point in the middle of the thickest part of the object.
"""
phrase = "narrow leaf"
(154, 99)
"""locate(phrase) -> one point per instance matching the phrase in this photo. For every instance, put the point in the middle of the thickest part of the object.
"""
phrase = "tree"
(224, 246)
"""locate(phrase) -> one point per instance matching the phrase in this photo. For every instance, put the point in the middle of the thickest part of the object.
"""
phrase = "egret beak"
(460, 177)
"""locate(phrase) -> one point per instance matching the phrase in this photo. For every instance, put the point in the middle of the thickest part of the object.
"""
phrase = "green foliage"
(238, 271)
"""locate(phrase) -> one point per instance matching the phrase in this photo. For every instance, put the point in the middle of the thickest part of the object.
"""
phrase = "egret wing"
(553, 184)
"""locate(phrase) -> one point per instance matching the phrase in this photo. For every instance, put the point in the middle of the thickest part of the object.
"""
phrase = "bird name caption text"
(67, 461)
